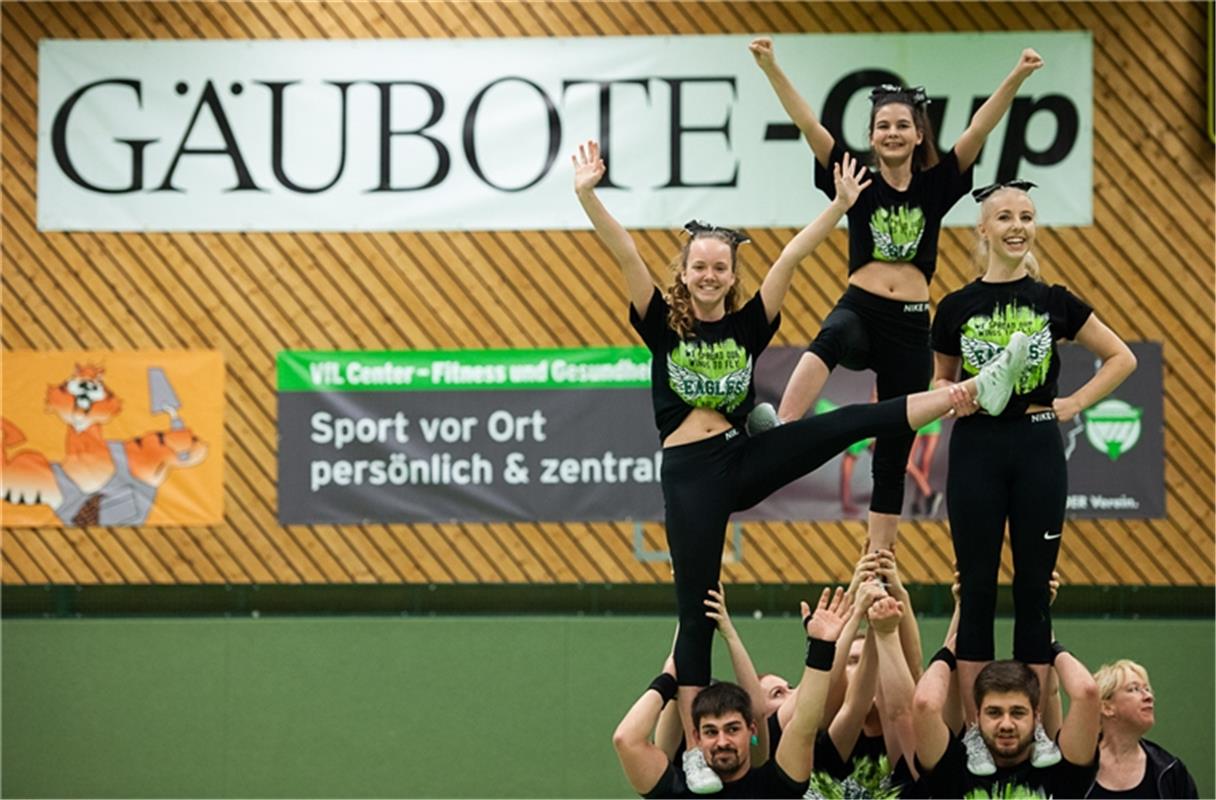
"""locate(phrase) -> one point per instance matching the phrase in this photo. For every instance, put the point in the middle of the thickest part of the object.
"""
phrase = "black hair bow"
(912, 95)
(696, 226)
(984, 192)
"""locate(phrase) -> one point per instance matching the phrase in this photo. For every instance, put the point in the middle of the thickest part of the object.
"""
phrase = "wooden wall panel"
(1146, 263)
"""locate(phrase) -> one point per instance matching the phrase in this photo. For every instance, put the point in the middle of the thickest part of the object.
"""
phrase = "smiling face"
(1007, 226)
(709, 272)
(893, 133)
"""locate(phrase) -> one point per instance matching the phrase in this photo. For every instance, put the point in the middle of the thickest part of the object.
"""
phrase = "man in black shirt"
(1007, 697)
(724, 722)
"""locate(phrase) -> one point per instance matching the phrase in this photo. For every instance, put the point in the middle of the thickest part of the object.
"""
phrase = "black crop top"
(886, 224)
(714, 369)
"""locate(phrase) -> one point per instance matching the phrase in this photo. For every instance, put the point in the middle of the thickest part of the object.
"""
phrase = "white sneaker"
(699, 778)
(979, 758)
(762, 418)
(994, 384)
(1046, 753)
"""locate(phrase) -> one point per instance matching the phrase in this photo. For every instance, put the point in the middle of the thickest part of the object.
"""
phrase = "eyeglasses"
(695, 226)
(913, 95)
(984, 192)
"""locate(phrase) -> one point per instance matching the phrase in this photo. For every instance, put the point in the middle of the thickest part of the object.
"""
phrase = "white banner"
(476, 134)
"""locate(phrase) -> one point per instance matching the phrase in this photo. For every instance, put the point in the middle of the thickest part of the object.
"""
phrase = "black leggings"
(891, 337)
(1006, 469)
(706, 481)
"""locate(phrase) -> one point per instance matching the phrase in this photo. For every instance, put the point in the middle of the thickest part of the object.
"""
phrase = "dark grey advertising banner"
(1115, 449)
(569, 435)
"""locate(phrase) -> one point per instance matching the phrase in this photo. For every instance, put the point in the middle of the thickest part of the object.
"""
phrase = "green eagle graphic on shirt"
(983, 338)
(896, 232)
(706, 375)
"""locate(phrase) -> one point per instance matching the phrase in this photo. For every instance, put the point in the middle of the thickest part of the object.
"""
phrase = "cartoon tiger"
(98, 481)
(85, 404)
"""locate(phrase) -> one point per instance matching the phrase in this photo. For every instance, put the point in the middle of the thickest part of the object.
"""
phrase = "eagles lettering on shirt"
(975, 323)
(710, 375)
(713, 369)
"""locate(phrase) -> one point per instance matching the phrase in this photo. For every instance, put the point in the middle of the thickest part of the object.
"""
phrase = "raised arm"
(968, 146)
(669, 732)
(864, 573)
(898, 685)
(588, 170)
(932, 735)
(909, 631)
(644, 763)
(953, 714)
(1050, 706)
(848, 176)
(745, 670)
(795, 752)
(1078, 738)
(844, 724)
(799, 111)
(1118, 362)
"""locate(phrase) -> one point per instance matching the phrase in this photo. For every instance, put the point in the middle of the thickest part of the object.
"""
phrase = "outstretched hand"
(962, 404)
(829, 617)
(716, 602)
(588, 166)
(848, 175)
(885, 615)
(865, 570)
(1028, 62)
(762, 51)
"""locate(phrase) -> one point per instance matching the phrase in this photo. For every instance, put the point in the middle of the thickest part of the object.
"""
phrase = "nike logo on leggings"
(1050, 535)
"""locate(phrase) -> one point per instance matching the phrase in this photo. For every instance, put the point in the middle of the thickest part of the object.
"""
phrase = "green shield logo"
(1112, 427)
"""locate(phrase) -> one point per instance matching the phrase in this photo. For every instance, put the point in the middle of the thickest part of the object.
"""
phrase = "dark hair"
(925, 155)
(679, 316)
(719, 700)
(1007, 676)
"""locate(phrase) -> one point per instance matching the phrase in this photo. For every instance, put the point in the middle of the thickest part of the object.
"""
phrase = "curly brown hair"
(680, 317)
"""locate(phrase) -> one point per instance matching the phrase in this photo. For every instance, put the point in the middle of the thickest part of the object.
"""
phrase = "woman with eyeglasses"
(704, 340)
(882, 320)
(1128, 764)
(1010, 467)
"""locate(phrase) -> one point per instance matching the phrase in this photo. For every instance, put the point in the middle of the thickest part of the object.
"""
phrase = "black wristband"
(946, 657)
(820, 653)
(665, 685)
(1056, 649)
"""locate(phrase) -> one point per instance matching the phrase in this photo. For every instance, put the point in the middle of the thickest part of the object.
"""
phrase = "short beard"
(729, 768)
(1017, 757)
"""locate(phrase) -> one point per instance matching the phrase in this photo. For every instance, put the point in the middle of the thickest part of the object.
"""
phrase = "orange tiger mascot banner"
(112, 438)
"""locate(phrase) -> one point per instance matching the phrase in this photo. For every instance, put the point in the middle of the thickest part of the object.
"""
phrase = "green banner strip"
(462, 370)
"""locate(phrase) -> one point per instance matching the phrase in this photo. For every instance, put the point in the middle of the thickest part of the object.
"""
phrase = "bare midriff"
(894, 280)
(1035, 408)
(701, 423)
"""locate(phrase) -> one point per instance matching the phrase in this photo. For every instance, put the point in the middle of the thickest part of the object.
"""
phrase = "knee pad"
(842, 340)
